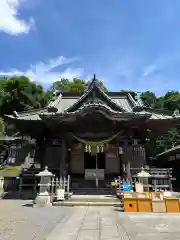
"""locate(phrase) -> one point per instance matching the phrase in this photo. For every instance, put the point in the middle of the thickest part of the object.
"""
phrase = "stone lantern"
(143, 177)
(44, 198)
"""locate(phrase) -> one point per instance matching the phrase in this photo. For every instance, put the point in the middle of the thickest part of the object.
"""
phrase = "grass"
(10, 171)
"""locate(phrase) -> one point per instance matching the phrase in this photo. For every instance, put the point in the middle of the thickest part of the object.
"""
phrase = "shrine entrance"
(94, 164)
(94, 161)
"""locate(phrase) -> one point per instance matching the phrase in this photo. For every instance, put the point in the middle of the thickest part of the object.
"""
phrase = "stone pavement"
(105, 223)
(19, 222)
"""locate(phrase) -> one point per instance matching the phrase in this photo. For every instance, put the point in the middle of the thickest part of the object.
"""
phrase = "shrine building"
(97, 132)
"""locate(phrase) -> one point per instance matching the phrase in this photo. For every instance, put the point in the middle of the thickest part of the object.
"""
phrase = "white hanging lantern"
(86, 148)
(102, 149)
(121, 150)
(135, 142)
(89, 148)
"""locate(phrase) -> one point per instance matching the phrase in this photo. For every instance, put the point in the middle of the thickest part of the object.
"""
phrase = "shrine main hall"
(106, 133)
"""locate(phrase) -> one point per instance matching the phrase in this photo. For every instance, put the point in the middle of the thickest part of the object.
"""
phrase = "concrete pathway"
(105, 223)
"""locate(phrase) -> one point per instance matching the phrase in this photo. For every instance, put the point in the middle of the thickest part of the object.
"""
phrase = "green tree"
(149, 99)
(172, 101)
(65, 85)
(19, 93)
(2, 126)
(75, 85)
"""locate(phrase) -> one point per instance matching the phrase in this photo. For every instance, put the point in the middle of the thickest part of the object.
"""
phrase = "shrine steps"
(93, 191)
(91, 200)
(99, 204)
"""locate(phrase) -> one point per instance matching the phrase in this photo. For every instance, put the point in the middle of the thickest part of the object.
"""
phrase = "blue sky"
(129, 44)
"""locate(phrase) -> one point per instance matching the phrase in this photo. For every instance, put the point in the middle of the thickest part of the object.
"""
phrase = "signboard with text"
(92, 174)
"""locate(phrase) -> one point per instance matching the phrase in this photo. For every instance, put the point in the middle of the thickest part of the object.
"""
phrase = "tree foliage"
(2, 126)
(75, 85)
(20, 94)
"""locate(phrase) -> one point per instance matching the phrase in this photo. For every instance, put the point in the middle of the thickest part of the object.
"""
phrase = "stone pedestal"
(44, 198)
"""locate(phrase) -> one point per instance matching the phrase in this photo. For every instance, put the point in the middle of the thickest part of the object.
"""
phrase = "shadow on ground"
(16, 195)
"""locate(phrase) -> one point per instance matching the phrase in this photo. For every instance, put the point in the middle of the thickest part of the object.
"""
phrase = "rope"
(96, 143)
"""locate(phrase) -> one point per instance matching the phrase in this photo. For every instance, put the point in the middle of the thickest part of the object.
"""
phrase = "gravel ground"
(18, 222)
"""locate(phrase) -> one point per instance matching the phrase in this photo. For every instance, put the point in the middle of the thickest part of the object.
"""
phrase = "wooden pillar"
(40, 153)
(127, 158)
(63, 158)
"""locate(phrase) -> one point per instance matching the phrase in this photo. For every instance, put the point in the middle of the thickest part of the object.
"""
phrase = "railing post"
(68, 182)
(155, 185)
(52, 189)
(34, 188)
(169, 180)
(20, 186)
(119, 178)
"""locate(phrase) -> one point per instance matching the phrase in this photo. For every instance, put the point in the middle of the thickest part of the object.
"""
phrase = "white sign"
(92, 174)
(111, 155)
(60, 194)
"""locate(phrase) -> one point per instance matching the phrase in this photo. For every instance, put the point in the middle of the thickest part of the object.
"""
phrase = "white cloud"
(43, 73)
(9, 21)
(151, 69)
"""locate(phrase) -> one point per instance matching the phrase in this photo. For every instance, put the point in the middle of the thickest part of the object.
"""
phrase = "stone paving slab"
(19, 222)
(83, 223)
(90, 223)
(105, 223)
(151, 225)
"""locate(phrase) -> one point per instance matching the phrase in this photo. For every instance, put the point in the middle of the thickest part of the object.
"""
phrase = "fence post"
(68, 182)
(20, 186)
(119, 183)
(169, 180)
(52, 189)
(60, 182)
(64, 183)
(155, 185)
(34, 188)
(1, 186)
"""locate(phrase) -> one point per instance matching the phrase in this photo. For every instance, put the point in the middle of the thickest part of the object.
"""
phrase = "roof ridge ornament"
(15, 114)
(176, 113)
(93, 82)
(94, 78)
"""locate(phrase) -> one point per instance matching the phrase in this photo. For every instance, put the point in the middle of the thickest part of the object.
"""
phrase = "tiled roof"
(99, 107)
(66, 104)
(156, 116)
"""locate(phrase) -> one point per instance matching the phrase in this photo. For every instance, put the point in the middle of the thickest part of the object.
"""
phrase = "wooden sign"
(139, 187)
(156, 196)
(92, 174)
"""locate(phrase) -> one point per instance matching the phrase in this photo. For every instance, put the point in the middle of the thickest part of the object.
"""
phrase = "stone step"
(76, 198)
(72, 204)
(85, 191)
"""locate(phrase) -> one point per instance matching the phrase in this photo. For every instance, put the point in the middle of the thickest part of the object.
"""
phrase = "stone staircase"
(93, 191)
(92, 200)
